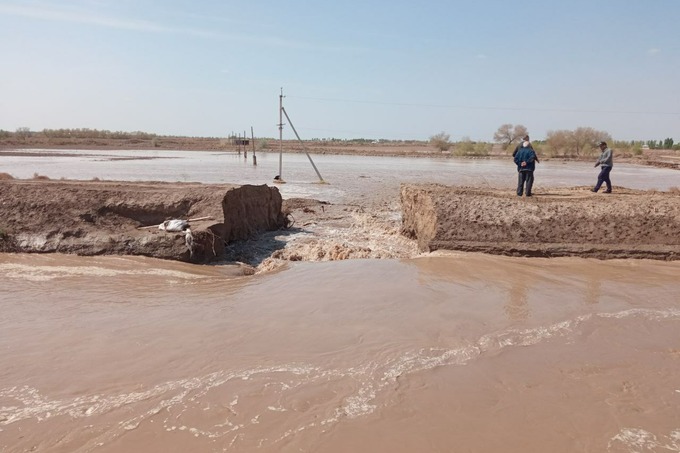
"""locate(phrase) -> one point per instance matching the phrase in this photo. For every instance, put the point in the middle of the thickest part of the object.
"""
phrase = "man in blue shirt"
(606, 162)
(525, 158)
(524, 139)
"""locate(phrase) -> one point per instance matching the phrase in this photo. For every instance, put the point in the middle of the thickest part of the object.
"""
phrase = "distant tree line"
(579, 142)
(582, 141)
(667, 143)
(25, 132)
(96, 133)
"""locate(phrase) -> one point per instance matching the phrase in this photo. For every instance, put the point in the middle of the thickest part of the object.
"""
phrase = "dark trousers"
(525, 177)
(604, 177)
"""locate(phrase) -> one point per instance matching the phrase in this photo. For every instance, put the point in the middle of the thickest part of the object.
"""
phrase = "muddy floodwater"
(446, 352)
(347, 176)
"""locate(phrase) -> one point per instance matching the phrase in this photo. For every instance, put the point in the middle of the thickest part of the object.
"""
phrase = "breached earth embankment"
(105, 218)
(245, 223)
(559, 222)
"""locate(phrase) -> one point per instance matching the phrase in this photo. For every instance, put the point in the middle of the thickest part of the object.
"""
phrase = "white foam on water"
(529, 337)
(361, 385)
(276, 409)
(360, 404)
(638, 440)
(46, 273)
(652, 315)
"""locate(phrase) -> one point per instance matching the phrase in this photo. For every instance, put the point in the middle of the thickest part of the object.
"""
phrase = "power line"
(463, 107)
(375, 133)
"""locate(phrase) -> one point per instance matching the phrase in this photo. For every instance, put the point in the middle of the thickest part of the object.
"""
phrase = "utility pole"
(245, 148)
(252, 137)
(279, 177)
(282, 111)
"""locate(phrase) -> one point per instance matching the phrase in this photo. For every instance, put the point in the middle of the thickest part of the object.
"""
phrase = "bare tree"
(504, 135)
(23, 132)
(585, 139)
(576, 143)
(507, 134)
(559, 142)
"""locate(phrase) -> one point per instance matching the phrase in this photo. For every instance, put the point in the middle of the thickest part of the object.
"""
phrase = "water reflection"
(517, 307)
(593, 289)
(345, 175)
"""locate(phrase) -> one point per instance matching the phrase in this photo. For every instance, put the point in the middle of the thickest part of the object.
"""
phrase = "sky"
(399, 70)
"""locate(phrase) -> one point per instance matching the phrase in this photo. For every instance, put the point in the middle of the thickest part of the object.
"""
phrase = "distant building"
(240, 141)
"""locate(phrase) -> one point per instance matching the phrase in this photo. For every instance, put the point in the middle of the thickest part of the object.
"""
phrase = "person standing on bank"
(524, 139)
(606, 162)
(526, 159)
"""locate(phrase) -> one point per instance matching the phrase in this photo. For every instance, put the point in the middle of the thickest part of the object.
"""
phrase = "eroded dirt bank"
(102, 218)
(559, 222)
(244, 223)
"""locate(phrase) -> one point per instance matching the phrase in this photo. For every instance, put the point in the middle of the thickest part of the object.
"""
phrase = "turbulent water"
(442, 353)
(439, 353)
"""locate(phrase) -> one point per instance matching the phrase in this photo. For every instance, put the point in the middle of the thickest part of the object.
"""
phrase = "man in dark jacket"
(524, 139)
(525, 158)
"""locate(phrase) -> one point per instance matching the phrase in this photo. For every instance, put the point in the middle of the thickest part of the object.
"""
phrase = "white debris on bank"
(174, 225)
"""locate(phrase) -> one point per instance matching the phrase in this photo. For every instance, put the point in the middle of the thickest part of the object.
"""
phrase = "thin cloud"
(79, 17)
(57, 15)
(653, 51)
(481, 56)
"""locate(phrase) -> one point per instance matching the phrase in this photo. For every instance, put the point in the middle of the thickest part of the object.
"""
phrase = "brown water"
(460, 352)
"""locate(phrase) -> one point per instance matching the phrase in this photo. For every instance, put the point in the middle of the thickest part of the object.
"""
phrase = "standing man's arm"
(599, 159)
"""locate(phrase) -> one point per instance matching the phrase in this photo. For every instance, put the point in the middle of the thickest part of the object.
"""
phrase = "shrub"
(441, 141)
(467, 147)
